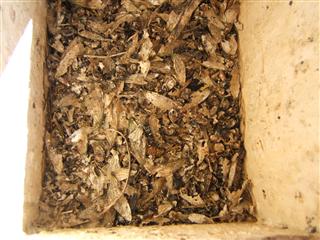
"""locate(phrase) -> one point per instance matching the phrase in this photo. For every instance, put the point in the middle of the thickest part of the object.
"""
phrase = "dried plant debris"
(143, 114)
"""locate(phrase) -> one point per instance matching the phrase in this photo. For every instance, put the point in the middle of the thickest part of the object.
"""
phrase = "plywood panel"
(279, 49)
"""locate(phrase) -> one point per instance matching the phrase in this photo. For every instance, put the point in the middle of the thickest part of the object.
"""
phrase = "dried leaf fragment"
(205, 78)
(232, 13)
(121, 206)
(144, 67)
(233, 169)
(144, 53)
(137, 141)
(203, 150)
(235, 82)
(132, 48)
(214, 63)
(91, 4)
(94, 105)
(68, 100)
(172, 21)
(218, 147)
(235, 196)
(225, 165)
(130, 6)
(178, 216)
(164, 208)
(156, 2)
(91, 35)
(230, 46)
(213, 17)
(168, 48)
(209, 44)
(56, 160)
(199, 218)
(74, 49)
(184, 19)
(57, 45)
(168, 169)
(138, 79)
(193, 200)
(112, 113)
(179, 68)
(146, 47)
(80, 137)
(96, 182)
(155, 128)
(160, 101)
(198, 97)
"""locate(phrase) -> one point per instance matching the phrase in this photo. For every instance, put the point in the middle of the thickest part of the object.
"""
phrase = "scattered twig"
(103, 57)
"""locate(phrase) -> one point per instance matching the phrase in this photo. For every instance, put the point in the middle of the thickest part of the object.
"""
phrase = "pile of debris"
(143, 123)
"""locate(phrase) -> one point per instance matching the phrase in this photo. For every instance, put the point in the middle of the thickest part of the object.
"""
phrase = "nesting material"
(143, 123)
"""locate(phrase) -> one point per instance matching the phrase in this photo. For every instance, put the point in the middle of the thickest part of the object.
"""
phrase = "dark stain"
(290, 3)
(279, 117)
(267, 7)
(261, 144)
(303, 122)
(277, 107)
(302, 67)
(312, 229)
(33, 105)
(264, 194)
(298, 196)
